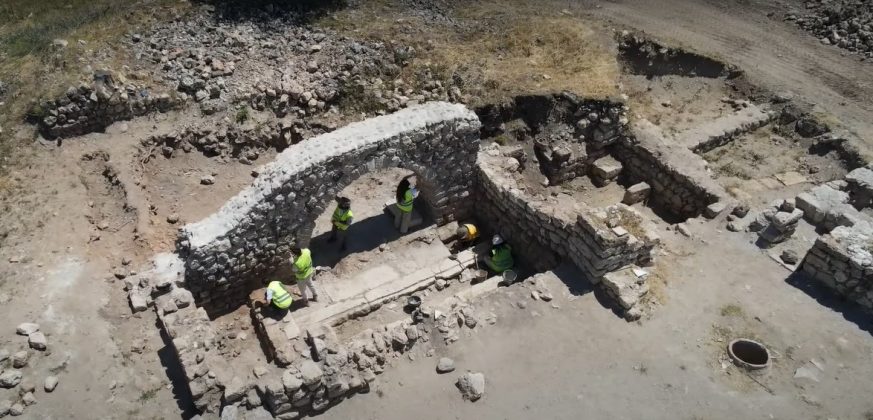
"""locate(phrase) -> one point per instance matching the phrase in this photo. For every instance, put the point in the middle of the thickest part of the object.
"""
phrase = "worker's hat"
(496, 240)
(345, 203)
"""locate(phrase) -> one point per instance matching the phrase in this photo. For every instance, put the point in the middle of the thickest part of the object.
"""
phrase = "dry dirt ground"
(71, 224)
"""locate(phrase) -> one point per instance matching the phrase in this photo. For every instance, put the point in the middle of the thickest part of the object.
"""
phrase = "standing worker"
(301, 265)
(406, 194)
(342, 218)
(500, 257)
(278, 296)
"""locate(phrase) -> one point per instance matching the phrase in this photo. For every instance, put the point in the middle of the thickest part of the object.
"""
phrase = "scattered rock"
(789, 257)
(28, 399)
(50, 384)
(207, 180)
(27, 328)
(173, 218)
(471, 385)
(5, 405)
(445, 365)
(10, 378)
(17, 409)
(19, 359)
(37, 341)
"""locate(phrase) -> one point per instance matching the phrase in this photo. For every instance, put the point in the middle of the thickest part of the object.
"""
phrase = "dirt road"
(775, 54)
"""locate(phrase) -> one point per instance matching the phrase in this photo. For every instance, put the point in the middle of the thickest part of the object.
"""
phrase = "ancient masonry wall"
(842, 261)
(253, 232)
(541, 231)
(678, 177)
(89, 108)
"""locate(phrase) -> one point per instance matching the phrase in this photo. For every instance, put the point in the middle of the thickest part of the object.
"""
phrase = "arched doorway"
(254, 231)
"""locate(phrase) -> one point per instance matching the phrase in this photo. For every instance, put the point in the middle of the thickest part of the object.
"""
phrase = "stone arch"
(225, 252)
(429, 187)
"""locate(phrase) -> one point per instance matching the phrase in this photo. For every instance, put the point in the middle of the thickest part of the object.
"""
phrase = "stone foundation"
(597, 241)
(253, 232)
(89, 108)
(677, 176)
(842, 261)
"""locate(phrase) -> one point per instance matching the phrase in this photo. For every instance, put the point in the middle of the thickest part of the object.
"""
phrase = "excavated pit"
(640, 55)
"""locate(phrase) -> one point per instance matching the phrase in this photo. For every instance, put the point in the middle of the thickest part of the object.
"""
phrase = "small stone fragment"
(28, 399)
(445, 365)
(173, 218)
(19, 359)
(17, 409)
(50, 384)
(207, 180)
(789, 257)
(10, 378)
(37, 341)
(27, 328)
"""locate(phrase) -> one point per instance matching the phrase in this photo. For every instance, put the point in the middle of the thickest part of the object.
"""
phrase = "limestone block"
(636, 193)
(606, 168)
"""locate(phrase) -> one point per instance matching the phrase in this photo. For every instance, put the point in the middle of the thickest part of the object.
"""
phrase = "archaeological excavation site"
(436, 209)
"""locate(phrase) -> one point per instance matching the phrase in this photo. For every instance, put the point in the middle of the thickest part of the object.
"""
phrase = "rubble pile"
(847, 24)
(308, 68)
(777, 223)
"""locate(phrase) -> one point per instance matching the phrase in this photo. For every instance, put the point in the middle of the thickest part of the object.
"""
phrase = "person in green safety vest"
(341, 220)
(500, 257)
(278, 296)
(301, 265)
(405, 195)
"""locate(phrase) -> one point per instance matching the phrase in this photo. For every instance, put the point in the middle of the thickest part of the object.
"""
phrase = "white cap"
(496, 240)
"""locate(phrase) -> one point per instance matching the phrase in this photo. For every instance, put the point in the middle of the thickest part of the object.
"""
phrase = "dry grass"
(731, 310)
(34, 70)
(501, 49)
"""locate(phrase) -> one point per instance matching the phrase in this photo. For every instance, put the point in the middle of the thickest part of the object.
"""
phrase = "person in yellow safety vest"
(465, 235)
(405, 195)
(278, 296)
(341, 220)
(301, 265)
(500, 257)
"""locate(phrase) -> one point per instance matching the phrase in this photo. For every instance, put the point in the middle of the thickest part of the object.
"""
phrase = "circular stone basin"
(749, 354)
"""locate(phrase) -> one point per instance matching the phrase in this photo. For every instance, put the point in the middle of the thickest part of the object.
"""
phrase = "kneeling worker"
(500, 257)
(301, 265)
(467, 233)
(278, 296)
(465, 236)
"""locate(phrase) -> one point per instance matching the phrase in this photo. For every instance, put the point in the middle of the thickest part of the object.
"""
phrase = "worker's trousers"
(337, 234)
(305, 284)
(402, 220)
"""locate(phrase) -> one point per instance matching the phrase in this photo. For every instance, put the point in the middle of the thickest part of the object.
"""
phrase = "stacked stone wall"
(90, 108)
(541, 233)
(254, 231)
(842, 261)
(678, 177)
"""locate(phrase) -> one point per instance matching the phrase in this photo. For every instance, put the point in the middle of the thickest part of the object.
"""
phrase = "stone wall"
(678, 177)
(842, 261)
(595, 240)
(254, 231)
(89, 108)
